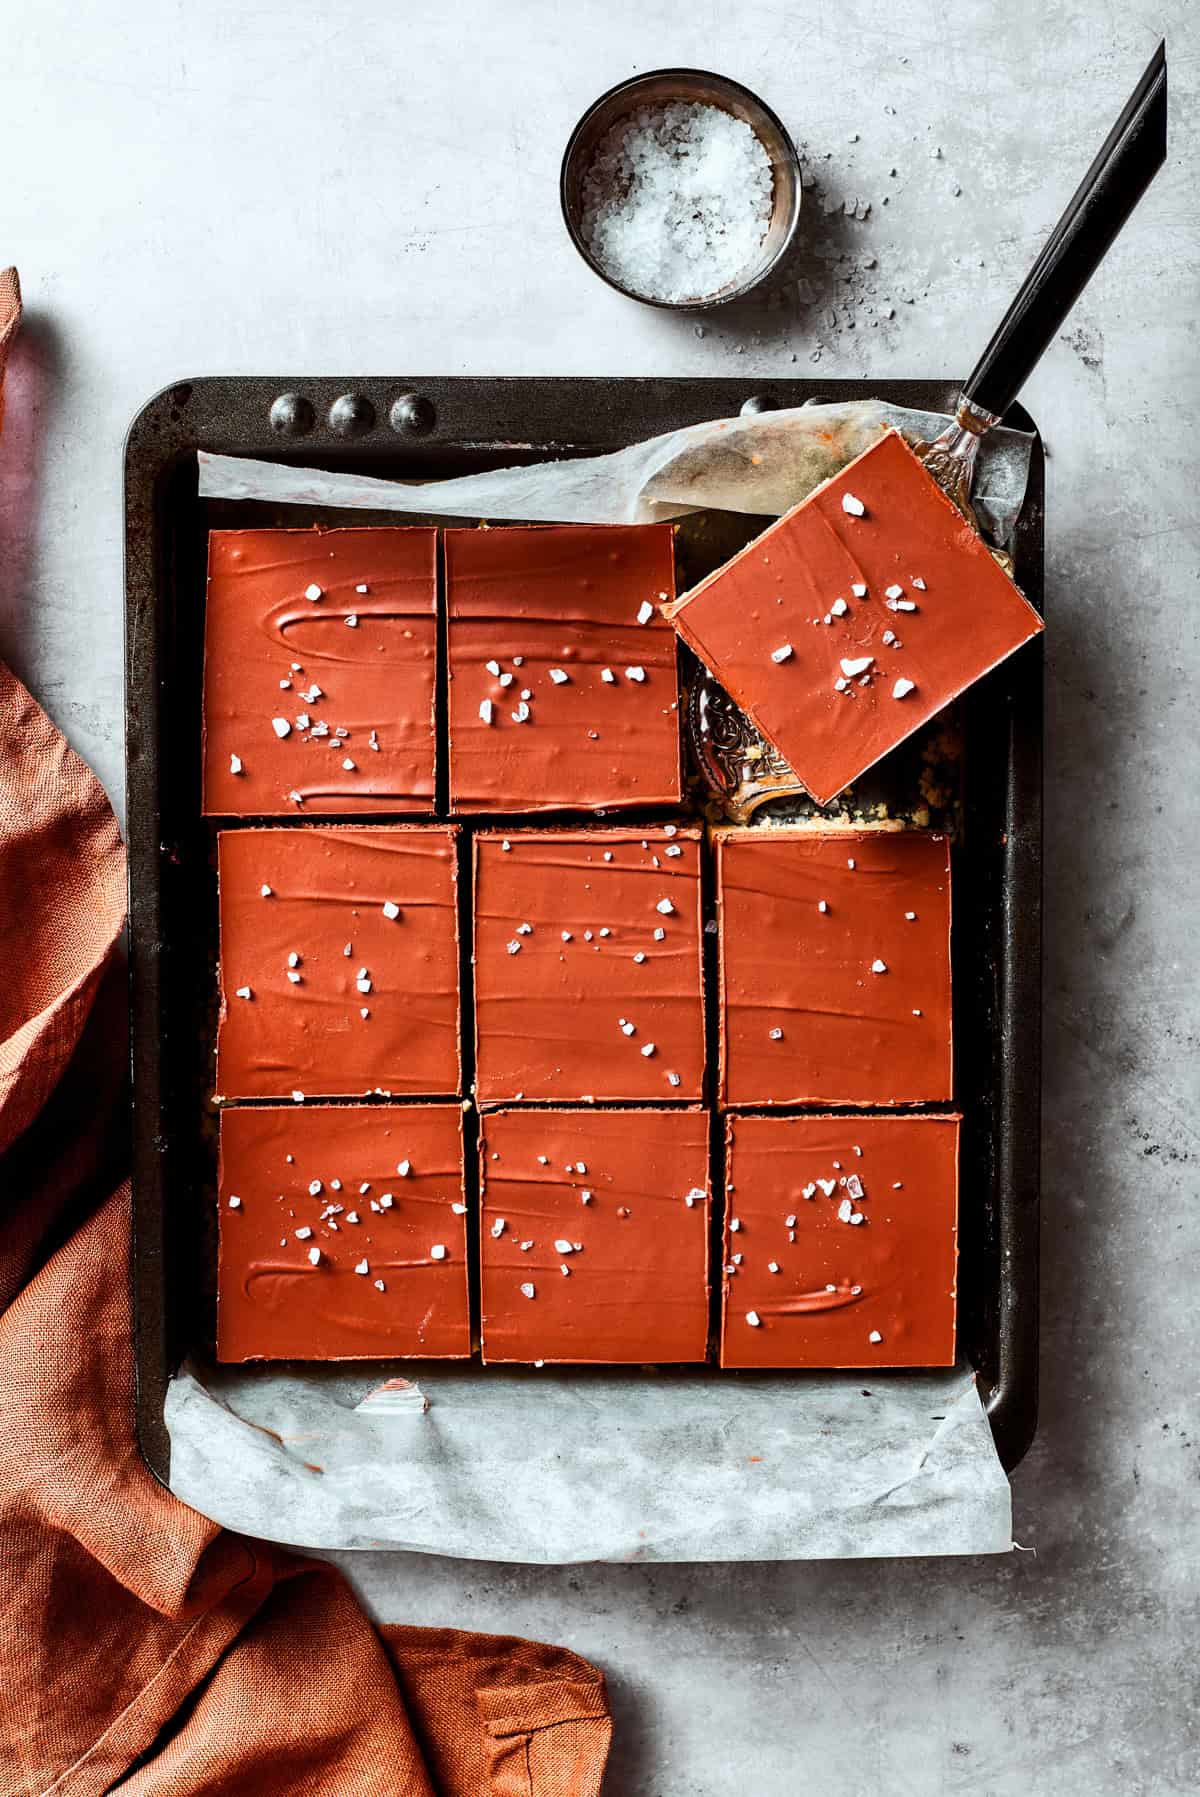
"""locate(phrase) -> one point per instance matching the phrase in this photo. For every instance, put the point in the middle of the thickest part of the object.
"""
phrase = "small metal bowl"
(661, 87)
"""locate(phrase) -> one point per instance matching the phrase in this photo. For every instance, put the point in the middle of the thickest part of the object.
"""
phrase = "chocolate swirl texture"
(556, 611)
(319, 1196)
(322, 704)
(834, 966)
(840, 1244)
(588, 965)
(618, 1198)
(342, 977)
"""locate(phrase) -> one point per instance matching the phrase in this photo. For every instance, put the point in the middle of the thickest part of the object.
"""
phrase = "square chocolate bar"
(835, 966)
(594, 1236)
(339, 961)
(342, 1233)
(588, 965)
(856, 618)
(840, 1241)
(319, 671)
(564, 692)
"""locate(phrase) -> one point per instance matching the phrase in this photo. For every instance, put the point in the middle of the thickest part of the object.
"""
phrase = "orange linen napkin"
(143, 1650)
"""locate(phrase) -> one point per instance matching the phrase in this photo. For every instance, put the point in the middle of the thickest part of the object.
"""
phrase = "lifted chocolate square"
(835, 966)
(857, 617)
(339, 961)
(319, 671)
(563, 684)
(342, 1233)
(840, 1241)
(594, 1236)
(588, 965)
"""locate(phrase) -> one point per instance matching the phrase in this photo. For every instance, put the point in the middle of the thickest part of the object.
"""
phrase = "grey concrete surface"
(266, 187)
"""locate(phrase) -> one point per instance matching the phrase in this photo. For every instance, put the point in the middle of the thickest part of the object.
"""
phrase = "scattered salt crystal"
(844, 1210)
(893, 592)
(822, 906)
(528, 1289)
(235, 1202)
(660, 935)
(855, 665)
(352, 621)
(772, 1266)
(627, 1028)
(775, 1035)
(559, 676)
(404, 1168)
(859, 589)
(506, 680)
(853, 506)
(838, 608)
(281, 727)
(635, 673)
(735, 1223)
(648, 1050)
(607, 675)
(639, 957)
(521, 714)
(244, 992)
(903, 687)
(391, 910)
(485, 710)
(313, 592)
(784, 651)
(874, 1336)
(878, 966)
(266, 892)
(438, 1251)
(514, 947)
(752, 1317)
(380, 1286)
(498, 1227)
(665, 907)
(645, 612)
(673, 1079)
(918, 583)
(363, 1267)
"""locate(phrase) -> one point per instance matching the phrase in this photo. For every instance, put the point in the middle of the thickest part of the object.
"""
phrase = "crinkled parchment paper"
(558, 1465)
(761, 464)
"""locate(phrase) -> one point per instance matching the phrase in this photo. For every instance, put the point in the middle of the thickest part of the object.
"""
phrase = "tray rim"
(211, 412)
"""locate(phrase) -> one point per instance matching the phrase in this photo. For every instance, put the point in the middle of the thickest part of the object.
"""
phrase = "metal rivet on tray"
(292, 415)
(759, 402)
(412, 414)
(352, 415)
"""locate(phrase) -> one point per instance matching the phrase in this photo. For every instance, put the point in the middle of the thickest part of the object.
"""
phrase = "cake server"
(1128, 160)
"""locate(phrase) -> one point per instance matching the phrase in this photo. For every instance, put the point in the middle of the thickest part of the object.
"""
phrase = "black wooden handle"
(1133, 152)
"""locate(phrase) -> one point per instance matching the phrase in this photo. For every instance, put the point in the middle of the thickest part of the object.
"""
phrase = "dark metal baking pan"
(431, 428)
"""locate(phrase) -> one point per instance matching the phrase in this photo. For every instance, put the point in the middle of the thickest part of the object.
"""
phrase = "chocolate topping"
(298, 1277)
(835, 966)
(320, 651)
(854, 686)
(846, 1245)
(635, 1249)
(300, 1012)
(560, 606)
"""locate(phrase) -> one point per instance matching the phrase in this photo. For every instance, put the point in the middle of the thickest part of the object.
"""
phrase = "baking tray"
(429, 428)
